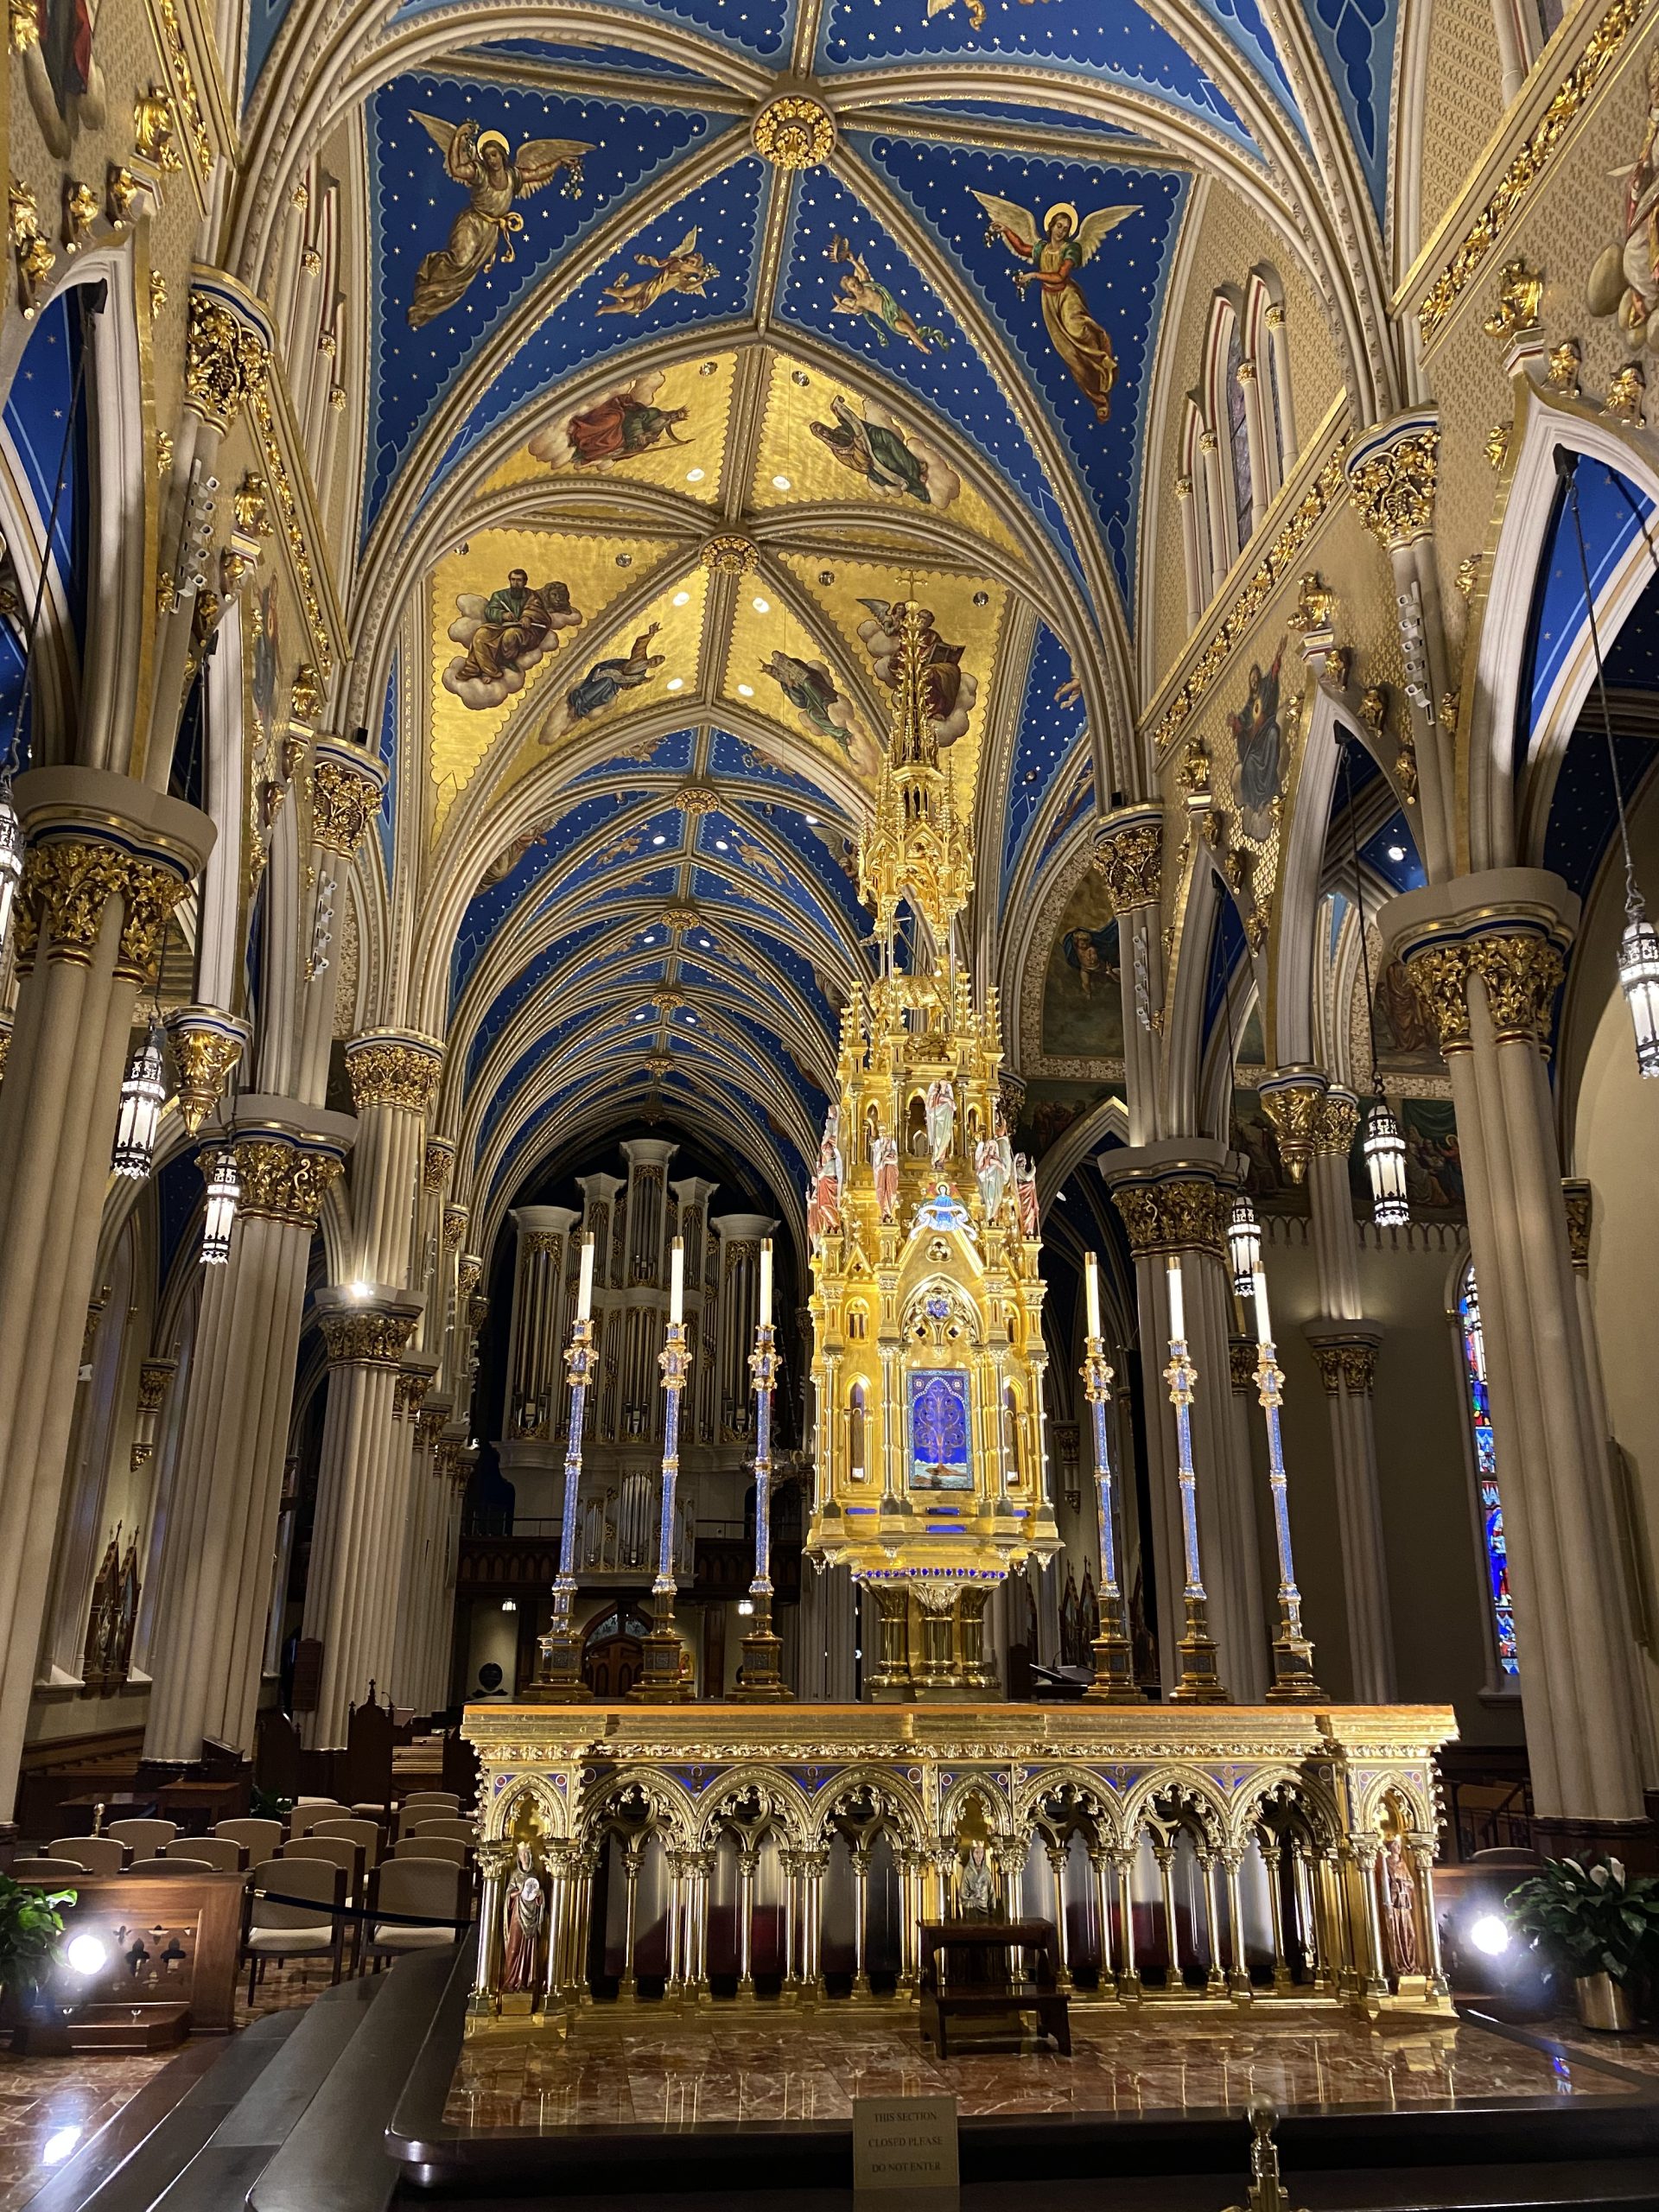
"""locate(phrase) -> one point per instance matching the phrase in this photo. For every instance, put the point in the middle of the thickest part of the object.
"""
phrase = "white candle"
(1264, 1323)
(585, 1281)
(766, 1282)
(1091, 1289)
(677, 1282)
(1177, 1304)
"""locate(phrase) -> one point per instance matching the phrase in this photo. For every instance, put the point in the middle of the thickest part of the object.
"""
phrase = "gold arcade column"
(363, 1495)
(1486, 954)
(107, 860)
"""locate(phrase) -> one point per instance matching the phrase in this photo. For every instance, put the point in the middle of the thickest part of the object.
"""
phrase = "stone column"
(1345, 1345)
(420, 1528)
(207, 1643)
(1174, 1197)
(1129, 853)
(1486, 956)
(107, 860)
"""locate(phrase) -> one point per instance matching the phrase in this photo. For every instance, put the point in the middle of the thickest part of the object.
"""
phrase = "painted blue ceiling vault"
(640, 947)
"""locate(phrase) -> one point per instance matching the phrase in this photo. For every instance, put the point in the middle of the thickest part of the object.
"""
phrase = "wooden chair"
(169, 1866)
(463, 1830)
(260, 1838)
(366, 1833)
(99, 1854)
(56, 1871)
(222, 1853)
(311, 1930)
(305, 1816)
(430, 1889)
(342, 1850)
(144, 1838)
(447, 1847)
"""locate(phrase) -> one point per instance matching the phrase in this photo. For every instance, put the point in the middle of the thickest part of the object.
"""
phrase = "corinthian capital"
(366, 1332)
(347, 785)
(1129, 851)
(394, 1067)
(1392, 476)
(1291, 1100)
(1174, 1214)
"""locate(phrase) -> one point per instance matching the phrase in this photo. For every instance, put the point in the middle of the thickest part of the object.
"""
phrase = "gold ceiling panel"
(776, 667)
(970, 614)
(508, 609)
(666, 427)
(821, 442)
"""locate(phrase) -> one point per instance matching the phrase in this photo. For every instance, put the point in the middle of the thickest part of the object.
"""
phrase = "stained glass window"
(1492, 1505)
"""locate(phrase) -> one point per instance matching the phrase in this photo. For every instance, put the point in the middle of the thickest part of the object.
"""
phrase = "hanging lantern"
(142, 1095)
(1385, 1163)
(223, 1191)
(1639, 978)
(12, 859)
(1244, 1246)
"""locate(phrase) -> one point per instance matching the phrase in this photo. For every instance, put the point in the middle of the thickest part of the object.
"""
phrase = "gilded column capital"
(1392, 477)
(366, 1332)
(68, 883)
(279, 1178)
(1580, 1213)
(1129, 851)
(394, 1067)
(1293, 1099)
(1337, 1124)
(455, 1228)
(1522, 969)
(1176, 1213)
(1510, 927)
(206, 1045)
(225, 360)
(1346, 1353)
(348, 785)
(1241, 1363)
(436, 1161)
(154, 1375)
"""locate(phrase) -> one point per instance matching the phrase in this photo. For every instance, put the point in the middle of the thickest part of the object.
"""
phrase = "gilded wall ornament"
(1292, 1101)
(1564, 361)
(224, 362)
(80, 214)
(1498, 444)
(365, 1338)
(35, 258)
(279, 1181)
(1350, 1366)
(23, 22)
(251, 508)
(1179, 1214)
(153, 137)
(120, 190)
(344, 802)
(1393, 489)
(1520, 290)
(436, 1163)
(207, 1046)
(1627, 390)
(1468, 574)
(727, 554)
(1580, 1212)
(1337, 1124)
(186, 101)
(455, 1228)
(794, 132)
(394, 1070)
(1316, 604)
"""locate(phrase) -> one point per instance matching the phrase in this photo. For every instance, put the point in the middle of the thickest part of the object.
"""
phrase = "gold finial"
(916, 847)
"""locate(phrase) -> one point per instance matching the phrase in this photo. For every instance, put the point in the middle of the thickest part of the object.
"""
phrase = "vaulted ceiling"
(647, 430)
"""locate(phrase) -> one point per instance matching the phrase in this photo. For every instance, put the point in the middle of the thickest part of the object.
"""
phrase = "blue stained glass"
(938, 1430)
(1492, 1505)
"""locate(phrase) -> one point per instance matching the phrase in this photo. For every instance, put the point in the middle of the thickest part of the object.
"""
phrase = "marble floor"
(682, 2070)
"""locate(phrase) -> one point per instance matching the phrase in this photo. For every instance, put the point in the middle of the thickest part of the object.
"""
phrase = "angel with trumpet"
(1066, 242)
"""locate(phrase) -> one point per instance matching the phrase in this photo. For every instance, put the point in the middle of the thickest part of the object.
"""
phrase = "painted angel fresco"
(1064, 243)
(1624, 279)
(811, 690)
(623, 424)
(1261, 749)
(869, 442)
(504, 636)
(607, 680)
(685, 269)
(488, 223)
(862, 294)
(951, 688)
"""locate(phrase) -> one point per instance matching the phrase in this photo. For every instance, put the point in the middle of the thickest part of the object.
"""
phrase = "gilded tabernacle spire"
(926, 1305)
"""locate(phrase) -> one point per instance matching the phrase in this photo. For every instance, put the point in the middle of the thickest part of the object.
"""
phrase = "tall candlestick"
(585, 1280)
(662, 1678)
(1264, 1321)
(760, 1680)
(1091, 1291)
(1200, 1680)
(1113, 1652)
(1177, 1303)
(561, 1648)
(677, 1282)
(766, 1282)
(1292, 1654)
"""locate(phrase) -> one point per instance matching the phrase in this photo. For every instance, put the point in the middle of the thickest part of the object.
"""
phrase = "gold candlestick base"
(1294, 1681)
(664, 1672)
(560, 1681)
(1200, 1682)
(1114, 1657)
(760, 1678)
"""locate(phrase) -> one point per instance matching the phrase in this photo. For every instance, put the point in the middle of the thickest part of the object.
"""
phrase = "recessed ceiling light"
(681, 599)
(648, 940)
(659, 840)
(693, 476)
(746, 691)
(1396, 852)
(721, 845)
(761, 605)
(813, 819)
(676, 683)
(707, 943)
(780, 484)
(690, 1017)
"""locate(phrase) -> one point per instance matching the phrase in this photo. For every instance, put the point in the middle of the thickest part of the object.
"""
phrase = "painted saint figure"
(1261, 749)
(517, 621)
(488, 223)
(1066, 243)
(884, 1159)
(874, 451)
(991, 1175)
(862, 294)
(977, 1889)
(684, 271)
(524, 1911)
(606, 680)
(1024, 1191)
(1401, 1923)
(941, 1118)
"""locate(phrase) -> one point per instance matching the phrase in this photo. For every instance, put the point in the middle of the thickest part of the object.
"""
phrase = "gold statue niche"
(926, 1303)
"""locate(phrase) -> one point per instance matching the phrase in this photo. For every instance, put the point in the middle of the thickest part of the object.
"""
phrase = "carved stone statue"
(525, 1911)
(977, 1891)
(941, 1118)
(991, 1175)
(885, 1159)
(1025, 1192)
(1400, 1920)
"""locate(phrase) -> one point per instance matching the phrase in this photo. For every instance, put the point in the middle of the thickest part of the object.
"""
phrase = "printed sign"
(905, 2143)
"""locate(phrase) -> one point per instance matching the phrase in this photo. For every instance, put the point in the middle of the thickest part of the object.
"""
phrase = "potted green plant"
(31, 1930)
(1602, 1926)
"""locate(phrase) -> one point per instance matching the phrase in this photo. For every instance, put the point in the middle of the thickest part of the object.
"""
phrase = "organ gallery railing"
(1259, 1853)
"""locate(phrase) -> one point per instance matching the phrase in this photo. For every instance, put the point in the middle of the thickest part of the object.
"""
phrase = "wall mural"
(1434, 1160)
(478, 161)
(1405, 1043)
(1625, 278)
(620, 427)
(1083, 1007)
(868, 442)
(684, 269)
(504, 635)
(1261, 752)
(1065, 245)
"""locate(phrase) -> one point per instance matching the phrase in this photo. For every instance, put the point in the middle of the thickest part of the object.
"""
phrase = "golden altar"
(1240, 1852)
